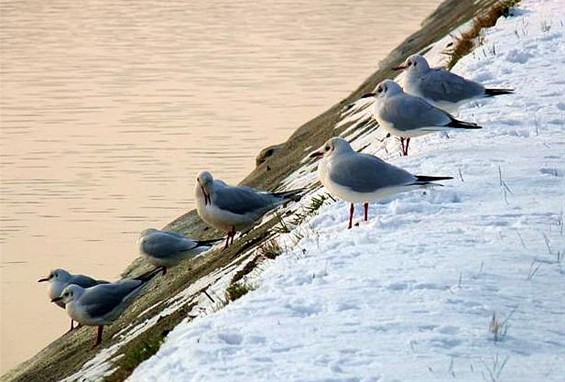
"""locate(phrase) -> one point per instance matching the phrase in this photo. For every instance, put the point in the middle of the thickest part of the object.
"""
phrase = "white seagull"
(166, 248)
(363, 178)
(441, 87)
(235, 208)
(408, 116)
(59, 279)
(102, 304)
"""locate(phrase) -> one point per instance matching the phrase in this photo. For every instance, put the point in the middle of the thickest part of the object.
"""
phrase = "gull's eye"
(327, 148)
(379, 89)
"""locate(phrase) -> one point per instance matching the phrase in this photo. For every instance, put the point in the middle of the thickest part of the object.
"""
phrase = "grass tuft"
(470, 39)
(149, 347)
(235, 291)
(494, 370)
(270, 250)
(499, 327)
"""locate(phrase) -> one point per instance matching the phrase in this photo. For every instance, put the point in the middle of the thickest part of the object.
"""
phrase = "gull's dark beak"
(367, 95)
(56, 299)
(316, 154)
(207, 199)
(206, 196)
(43, 279)
(399, 67)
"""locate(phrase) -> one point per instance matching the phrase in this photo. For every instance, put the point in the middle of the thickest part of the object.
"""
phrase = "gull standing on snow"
(166, 249)
(441, 87)
(59, 279)
(102, 304)
(363, 178)
(235, 208)
(408, 116)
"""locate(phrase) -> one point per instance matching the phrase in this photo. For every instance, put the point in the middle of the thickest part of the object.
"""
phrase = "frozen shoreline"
(411, 295)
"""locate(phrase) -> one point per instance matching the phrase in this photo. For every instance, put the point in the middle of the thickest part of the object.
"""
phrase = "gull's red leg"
(72, 326)
(99, 336)
(351, 209)
(366, 207)
(402, 146)
(232, 235)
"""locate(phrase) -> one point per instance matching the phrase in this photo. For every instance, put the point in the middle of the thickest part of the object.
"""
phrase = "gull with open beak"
(102, 304)
(408, 116)
(363, 178)
(440, 87)
(59, 279)
(235, 208)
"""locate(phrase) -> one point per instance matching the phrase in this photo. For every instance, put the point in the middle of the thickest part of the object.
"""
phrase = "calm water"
(109, 109)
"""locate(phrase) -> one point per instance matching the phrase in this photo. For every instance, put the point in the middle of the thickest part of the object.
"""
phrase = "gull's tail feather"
(495, 92)
(145, 277)
(294, 195)
(210, 242)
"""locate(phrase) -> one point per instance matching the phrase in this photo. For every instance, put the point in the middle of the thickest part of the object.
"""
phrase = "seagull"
(408, 116)
(441, 87)
(235, 208)
(363, 178)
(102, 304)
(59, 278)
(166, 248)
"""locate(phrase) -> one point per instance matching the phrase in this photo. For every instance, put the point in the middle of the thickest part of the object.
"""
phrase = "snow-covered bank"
(411, 295)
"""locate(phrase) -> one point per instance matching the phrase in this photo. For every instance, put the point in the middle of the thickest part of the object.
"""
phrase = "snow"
(411, 294)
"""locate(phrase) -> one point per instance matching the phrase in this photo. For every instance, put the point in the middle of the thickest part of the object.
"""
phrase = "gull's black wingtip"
(429, 179)
(495, 92)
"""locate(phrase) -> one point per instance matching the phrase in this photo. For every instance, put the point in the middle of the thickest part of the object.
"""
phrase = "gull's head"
(205, 182)
(332, 145)
(384, 89)
(56, 275)
(144, 235)
(415, 64)
(70, 293)
(387, 88)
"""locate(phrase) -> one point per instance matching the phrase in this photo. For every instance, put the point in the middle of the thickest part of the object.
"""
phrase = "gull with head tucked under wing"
(166, 248)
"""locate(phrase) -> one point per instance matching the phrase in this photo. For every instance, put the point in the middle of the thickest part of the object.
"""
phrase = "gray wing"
(101, 300)
(406, 112)
(165, 244)
(84, 281)
(220, 183)
(442, 85)
(367, 173)
(243, 200)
